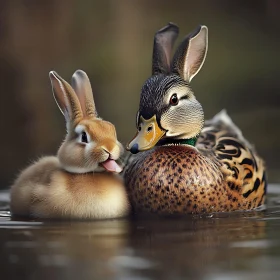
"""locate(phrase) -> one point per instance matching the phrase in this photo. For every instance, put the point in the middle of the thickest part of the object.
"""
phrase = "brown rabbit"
(79, 182)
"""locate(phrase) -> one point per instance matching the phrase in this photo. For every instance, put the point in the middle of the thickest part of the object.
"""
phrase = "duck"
(179, 163)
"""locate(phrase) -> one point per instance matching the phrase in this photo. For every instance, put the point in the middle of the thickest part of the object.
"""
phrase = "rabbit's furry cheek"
(71, 154)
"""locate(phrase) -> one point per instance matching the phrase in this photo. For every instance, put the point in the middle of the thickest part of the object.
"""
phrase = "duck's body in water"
(186, 166)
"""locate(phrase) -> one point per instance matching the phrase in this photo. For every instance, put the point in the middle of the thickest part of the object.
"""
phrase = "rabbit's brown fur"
(75, 184)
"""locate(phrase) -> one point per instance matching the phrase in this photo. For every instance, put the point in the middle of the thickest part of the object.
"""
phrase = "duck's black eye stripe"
(184, 97)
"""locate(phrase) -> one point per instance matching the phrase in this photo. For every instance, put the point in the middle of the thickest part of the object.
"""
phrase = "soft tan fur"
(45, 190)
(74, 184)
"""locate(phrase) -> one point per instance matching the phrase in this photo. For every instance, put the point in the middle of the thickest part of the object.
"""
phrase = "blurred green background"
(112, 41)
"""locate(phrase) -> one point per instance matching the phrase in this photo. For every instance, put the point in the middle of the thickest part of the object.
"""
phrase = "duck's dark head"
(168, 110)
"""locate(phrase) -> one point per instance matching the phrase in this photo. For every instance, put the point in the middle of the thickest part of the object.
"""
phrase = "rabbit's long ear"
(163, 43)
(191, 54)
(81, 84)
(65, 98)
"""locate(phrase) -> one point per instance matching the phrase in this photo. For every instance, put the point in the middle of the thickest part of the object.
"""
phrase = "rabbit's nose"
(112, 151)
(110, 154)
(107, 150)
(109, 146)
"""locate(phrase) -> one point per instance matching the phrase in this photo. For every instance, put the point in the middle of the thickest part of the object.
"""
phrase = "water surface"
(219, 246)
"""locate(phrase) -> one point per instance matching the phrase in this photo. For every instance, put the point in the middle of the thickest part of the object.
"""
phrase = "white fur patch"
(79, 128)
(80, 170)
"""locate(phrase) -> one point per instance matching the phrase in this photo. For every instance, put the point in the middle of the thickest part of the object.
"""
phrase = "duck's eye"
(174, 100)
(84, 137)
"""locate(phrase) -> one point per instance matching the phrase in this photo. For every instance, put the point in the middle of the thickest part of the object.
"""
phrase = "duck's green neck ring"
(171, 141)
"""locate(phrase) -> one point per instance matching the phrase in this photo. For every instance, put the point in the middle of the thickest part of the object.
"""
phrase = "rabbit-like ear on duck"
(191, 54)
(163, 43)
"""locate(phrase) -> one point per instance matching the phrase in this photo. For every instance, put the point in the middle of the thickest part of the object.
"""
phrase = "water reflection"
(71, 250)
(218, 246)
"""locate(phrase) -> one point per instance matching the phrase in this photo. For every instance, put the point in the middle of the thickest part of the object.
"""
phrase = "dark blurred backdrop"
(112, 41)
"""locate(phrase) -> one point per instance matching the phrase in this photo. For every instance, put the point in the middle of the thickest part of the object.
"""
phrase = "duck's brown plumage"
(222, 173)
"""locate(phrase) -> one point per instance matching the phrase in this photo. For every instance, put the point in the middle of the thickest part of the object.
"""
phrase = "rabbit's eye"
(84, 137)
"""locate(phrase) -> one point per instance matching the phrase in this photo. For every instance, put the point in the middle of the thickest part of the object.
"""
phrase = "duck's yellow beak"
(148, 135)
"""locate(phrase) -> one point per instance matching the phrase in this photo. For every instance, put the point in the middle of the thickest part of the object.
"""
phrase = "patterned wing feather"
(244, 170)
